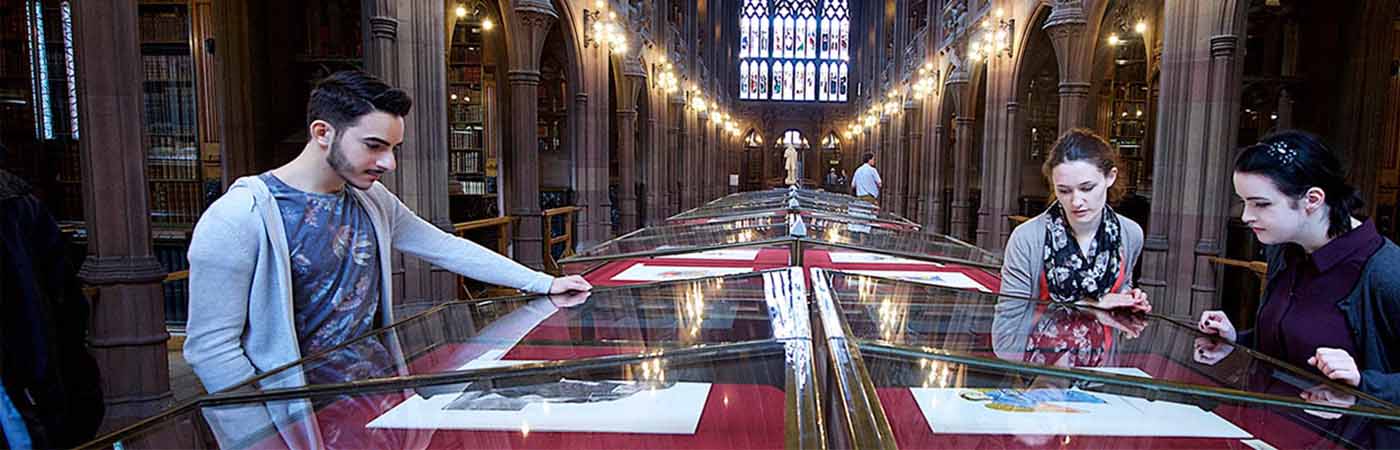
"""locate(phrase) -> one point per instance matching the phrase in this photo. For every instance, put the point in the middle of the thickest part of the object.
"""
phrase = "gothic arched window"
(794, 50)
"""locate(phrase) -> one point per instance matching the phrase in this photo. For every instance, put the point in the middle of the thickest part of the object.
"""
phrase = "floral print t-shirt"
(335, 281)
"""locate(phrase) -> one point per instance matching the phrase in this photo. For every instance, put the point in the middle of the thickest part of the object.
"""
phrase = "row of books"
(12, 62)
(464, 74)
(465, 139)
(168, 68)
(466, 113)
(164, 162)
(467, 187)
(170, 110)
(164, 25)
(464, 162)
(12, 26)
(469, 54)
(175, 203)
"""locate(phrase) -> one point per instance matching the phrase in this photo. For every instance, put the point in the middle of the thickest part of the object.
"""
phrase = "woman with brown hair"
(1078, 252)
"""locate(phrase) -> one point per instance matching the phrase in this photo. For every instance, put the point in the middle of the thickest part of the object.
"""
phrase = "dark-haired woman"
(1332, 299)
(1079, 251)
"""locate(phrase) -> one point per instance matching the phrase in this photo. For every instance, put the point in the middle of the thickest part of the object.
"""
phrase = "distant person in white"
(866, 180)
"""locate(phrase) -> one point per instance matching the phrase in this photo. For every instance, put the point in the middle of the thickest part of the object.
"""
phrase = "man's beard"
(341, 165)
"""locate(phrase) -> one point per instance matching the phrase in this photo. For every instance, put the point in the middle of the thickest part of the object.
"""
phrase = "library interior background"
(641, 144)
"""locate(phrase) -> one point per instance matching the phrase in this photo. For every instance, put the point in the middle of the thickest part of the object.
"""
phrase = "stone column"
(887, 161)
(653, 180)
(699, 161)
(1073, 48)
(913, 200)
(937, 180)
(128, 328)
(1012, 168)
(675, 154)
(533, 19)
(381, 50)
(629, 86)
(957, 86)
(1200, 105)
(422, 178)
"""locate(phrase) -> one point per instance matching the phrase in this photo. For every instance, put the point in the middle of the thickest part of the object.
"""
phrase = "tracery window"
(794, 50)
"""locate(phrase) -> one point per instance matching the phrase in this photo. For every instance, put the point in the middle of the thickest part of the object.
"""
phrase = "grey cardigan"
(241, 319)
(1022, 266)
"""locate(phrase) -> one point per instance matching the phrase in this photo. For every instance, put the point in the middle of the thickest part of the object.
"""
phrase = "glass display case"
(824, 338)
(944, 368)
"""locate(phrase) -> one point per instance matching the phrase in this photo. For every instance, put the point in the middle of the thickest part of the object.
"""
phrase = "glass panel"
(683, 238)
(739, 396)
(931, 403)
(895, 241)
(1035, 338)
(513, 330)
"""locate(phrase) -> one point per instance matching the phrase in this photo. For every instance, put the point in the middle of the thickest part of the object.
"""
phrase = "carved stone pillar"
(533, 20)
(382, 52)
(699, 162)
(1200, 104)
(422, 178)
(917, 160)
(630, 85)
(938, 163)
(1066, 26)
(675, 154)
(128, 329)
(1010, 199)
(957, 86)
(654, 180)
(887, 161)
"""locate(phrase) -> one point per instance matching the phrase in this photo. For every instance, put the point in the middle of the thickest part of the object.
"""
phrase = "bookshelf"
(471, 186)
(1128, 128)
(37, 119)
(171, 138)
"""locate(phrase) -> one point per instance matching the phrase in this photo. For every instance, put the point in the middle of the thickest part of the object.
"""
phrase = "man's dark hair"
(867, 157)
(345, 96)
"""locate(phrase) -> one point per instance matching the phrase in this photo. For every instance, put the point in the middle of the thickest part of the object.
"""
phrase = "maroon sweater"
(1301, 313)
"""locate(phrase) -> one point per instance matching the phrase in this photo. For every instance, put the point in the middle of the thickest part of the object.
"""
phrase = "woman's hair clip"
(1282, 151)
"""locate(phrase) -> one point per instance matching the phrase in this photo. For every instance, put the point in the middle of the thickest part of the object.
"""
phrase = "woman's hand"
(1337, 364)
(1215, 322)
(1130, 323)
(1323, 395)
(569, 283)
(1135, 300)
(1210, 350)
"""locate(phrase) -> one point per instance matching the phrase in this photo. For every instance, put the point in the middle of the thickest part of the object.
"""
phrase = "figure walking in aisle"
(866, 181)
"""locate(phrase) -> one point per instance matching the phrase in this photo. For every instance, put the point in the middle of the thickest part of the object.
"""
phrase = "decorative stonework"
(382, 27)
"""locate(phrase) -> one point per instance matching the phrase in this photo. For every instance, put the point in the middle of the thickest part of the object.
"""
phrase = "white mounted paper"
(726, 254)
(644, 272)
(597, 406)
(1065, 411)
(954, 280)
(874, 258)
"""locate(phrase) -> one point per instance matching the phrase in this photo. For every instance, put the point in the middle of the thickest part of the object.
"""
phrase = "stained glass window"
(794, 50)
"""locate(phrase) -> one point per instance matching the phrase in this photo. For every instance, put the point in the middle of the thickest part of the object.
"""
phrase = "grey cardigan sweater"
(1022, 266)
(241, 319)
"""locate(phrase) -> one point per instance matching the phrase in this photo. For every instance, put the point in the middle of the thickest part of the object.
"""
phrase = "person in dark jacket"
(1332, 298)
(49, 377)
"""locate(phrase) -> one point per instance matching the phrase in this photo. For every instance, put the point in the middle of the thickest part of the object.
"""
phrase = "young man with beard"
(296, 261)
